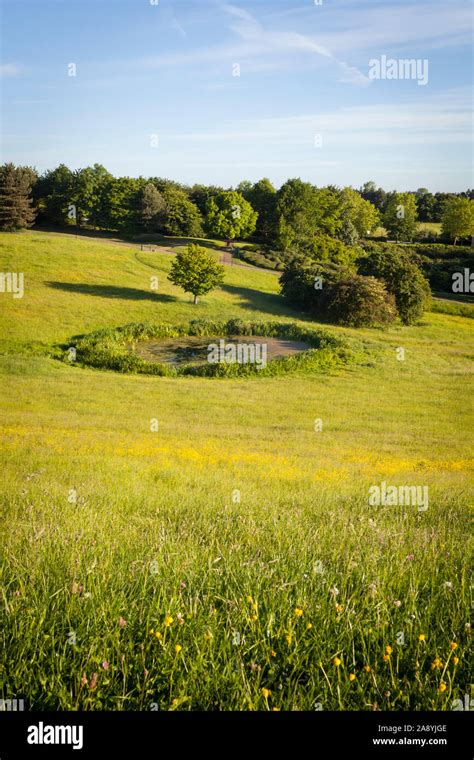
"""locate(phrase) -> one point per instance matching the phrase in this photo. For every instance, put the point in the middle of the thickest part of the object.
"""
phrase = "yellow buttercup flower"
(455, 660)
(178, 648)
(274, 654)
(158, 635)
(442, 687)
(250, 600)
(336, 662)
(254, 606)
(168, 621)
(339, 608)
(436, 663)
(298, 611)
(454, 645)
(388, 649)
(386, 658)
(174, 701)
(266, 693)
(422, 637)
(367, 668)
(309, 626)
(352, 677)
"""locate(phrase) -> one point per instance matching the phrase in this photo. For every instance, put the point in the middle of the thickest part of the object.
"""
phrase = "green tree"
(230, 216)
(54, 196)
(358, 215)
(152, 208)
(16, 210)
(122, 204)
(262, 196)
(304, 212)
(401, 217)
(196, 271)
(90, 188)
(182, 217)
(458, 218)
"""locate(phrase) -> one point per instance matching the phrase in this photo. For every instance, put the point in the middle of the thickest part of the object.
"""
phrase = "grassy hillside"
(226, 560)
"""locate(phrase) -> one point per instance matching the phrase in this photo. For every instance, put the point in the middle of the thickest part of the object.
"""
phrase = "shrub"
(360, 302)
(402, 278)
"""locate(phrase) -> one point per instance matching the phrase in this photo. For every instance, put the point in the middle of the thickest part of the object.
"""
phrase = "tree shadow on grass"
(111, 291)
(272, 303)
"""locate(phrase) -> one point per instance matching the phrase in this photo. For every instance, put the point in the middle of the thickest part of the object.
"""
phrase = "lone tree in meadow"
(196, 271)
(16, 212)
(458, 218)
(230, 216)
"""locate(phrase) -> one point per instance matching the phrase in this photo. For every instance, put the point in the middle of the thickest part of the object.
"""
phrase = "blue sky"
(167, 68)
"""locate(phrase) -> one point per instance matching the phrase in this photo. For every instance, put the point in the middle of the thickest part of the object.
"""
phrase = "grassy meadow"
(228, 560)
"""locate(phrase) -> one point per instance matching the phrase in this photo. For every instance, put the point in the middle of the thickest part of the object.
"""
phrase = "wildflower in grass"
(275, 709)
(386, 658)
(367, 668)
(454, 645)
(168, 621)
(158, 635)
(448, 586)
(151, 632)
(273, 653)
(289, 638)
(122, 622)
(456, 660)
(422, 637)
(339, 608)
(84, 681)
(334, 591)
(93, 681)
(266, 693)
(397, 603)
(178, 648)
(105, 665)
(253, 618)
(298, 611)
(309, 626)
(174, 701)
(388, 649)
(352, 676)
(410, 557)
(442, 687)
(250, 600)
(436, 663)
(180, 618)
(336, 662)
(254, 606)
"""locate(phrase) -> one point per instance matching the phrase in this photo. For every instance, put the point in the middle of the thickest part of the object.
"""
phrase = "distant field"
(432, 227)
(229, 560)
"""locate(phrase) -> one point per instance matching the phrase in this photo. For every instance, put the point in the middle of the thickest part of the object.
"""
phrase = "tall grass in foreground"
(178, 597)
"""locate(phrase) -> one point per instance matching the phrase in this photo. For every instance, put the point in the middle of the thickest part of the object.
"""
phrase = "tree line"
(297, 218)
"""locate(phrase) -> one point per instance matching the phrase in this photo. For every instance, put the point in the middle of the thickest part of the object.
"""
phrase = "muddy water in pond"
(195, 350)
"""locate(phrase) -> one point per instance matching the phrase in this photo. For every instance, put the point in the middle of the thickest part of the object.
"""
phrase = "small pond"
(195, 349)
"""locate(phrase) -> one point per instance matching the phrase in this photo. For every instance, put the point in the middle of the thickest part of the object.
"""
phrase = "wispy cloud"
(260, 49)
